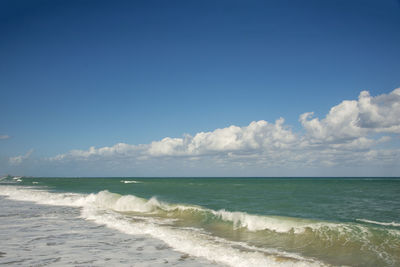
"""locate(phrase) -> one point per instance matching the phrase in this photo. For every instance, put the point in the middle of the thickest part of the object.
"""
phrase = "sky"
(200, 88)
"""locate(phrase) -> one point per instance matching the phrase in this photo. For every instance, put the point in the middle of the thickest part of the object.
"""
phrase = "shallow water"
(41, 235)
(240, 221)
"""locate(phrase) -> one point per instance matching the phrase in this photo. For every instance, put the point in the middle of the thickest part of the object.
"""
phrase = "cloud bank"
(3, 137)
(354, 132)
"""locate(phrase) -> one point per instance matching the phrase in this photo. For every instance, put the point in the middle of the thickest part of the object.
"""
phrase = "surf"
(252, 238)
(130, 182)
(113, 210)
(395, 224)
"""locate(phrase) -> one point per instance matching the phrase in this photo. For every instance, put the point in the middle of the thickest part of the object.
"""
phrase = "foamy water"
(130, 182)
(100, 208)
(380, 223)
(218, 235)
(40, 235)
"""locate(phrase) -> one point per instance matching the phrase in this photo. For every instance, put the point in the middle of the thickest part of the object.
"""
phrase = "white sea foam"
(101, 208)
(128, 203)
(396, 224)
(17, 178)
(195, 243)
(257, 222)
(106, 200)
(130, 182)
(37, 235)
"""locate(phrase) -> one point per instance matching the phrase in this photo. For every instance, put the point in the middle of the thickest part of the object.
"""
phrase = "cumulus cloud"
(355, 119)
(2, 137)
(381, 113)
(258, 135)
(19, 159)
(349, 133)
(340, 124)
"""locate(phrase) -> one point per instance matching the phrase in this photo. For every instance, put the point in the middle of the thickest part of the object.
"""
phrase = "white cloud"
(19, 159)
(118, 150)
(349, 134)
(2, 137)
(381, 113)
(340, 124)
(258, 135)
(355, 119)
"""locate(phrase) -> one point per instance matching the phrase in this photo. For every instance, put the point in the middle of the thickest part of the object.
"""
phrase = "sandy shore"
(40, 235)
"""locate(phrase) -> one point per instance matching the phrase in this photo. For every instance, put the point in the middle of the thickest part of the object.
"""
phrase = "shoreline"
(37, 235)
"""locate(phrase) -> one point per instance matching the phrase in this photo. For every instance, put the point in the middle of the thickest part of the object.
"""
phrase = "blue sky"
(77, 74)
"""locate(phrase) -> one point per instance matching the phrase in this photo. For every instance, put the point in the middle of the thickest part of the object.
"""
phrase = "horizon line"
(145, 177)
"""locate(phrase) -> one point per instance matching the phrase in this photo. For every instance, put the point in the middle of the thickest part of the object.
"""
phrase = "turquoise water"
(336, 199)
(334, 221)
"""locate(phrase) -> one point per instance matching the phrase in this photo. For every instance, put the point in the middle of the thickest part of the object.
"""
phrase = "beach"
(199, 222)
(43, 235)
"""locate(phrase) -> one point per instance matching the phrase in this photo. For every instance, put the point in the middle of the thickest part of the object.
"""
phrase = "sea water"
(217, 221)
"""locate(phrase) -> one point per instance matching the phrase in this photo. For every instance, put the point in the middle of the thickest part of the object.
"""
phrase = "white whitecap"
(396, 224)
(101, 208)
(130, 182)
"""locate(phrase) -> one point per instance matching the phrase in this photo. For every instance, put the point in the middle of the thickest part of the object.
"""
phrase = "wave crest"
(130, 182)
(395, 224)
(100, 208)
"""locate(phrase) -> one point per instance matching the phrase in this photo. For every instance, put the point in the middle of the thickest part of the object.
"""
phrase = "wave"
(131, 203)
(10, 179)
(396, 224)
(113, 210)
(130, 182)
(213, 234)
(200, 244)
(105, 200)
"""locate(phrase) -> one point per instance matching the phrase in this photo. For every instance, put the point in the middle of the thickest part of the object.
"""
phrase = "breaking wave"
(110, 209)
(130, 182)
(212, 234)
(395, 224)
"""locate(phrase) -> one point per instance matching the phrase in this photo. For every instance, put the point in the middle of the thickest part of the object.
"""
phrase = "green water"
(334, 199)
(339, 221)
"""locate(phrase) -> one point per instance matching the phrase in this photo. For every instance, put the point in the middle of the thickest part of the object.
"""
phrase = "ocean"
(200, 221)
